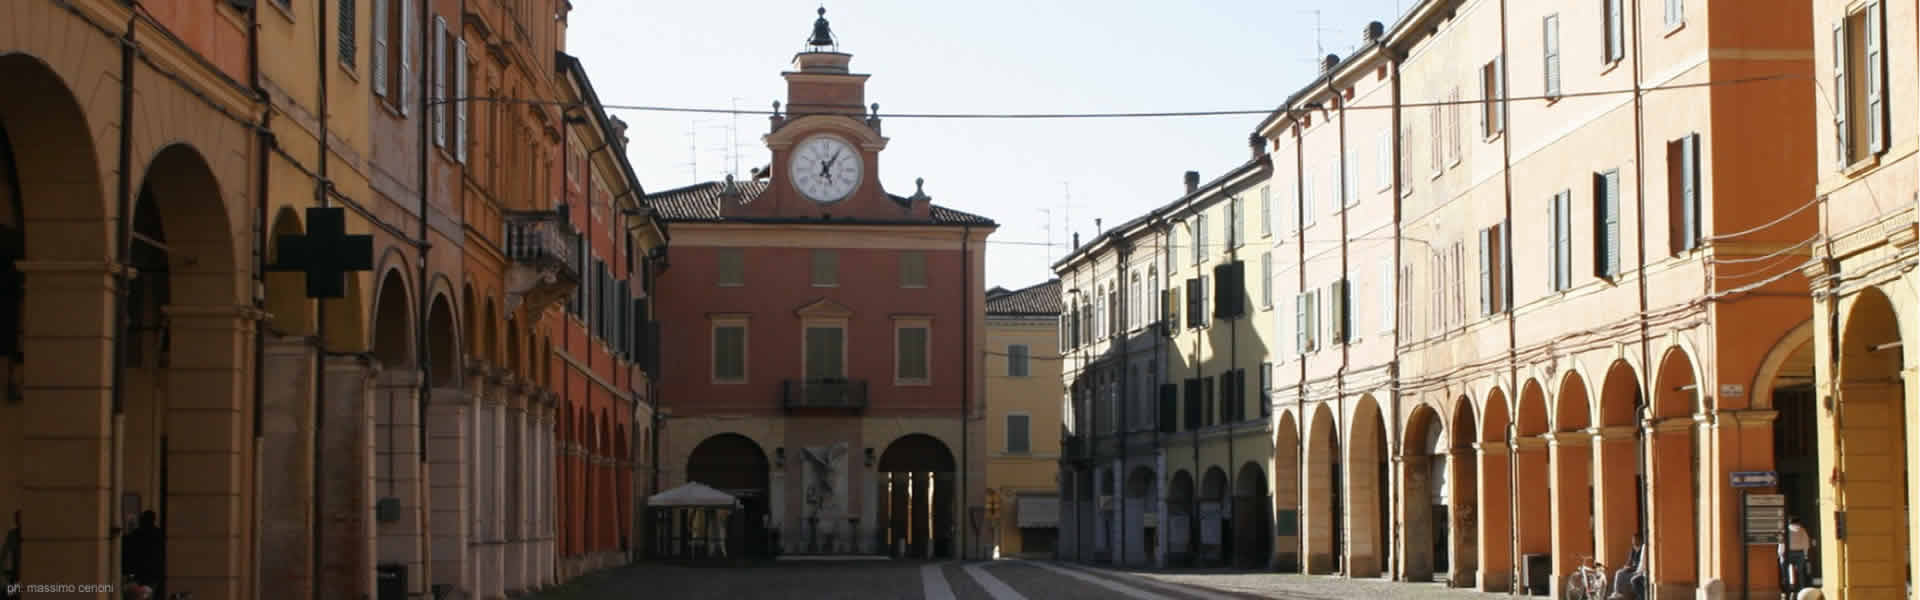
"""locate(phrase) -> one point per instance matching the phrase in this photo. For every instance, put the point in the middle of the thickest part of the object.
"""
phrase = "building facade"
(1023, 419)
(398, 434)
(1862, 274)
(832, 337)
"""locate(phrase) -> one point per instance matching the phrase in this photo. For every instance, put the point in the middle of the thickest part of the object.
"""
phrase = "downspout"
(966, 379)
(322, 189)
(1122, 252)
(122, 286)
(422, 359)
(1300, 271)
(1513, 333)
(258, 293)
(1645, 470)
(1346, 346)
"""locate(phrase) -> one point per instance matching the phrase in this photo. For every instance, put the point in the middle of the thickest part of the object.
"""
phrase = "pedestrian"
(10, 559)
(1625, 582)
(1793, 555)
(143, 553)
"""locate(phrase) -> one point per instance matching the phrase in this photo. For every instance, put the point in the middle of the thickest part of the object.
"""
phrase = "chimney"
(1327, 64)
(1193, 181)
(619, 129)
(1258, 144)
(1096, 227)
(1076, 240)
(1374, 31)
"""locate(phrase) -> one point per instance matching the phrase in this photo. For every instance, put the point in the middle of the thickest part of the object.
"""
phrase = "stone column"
(1495, 518)
(515, 568)
(66, 503)
(547, 493)
(1572, 456)
(397, 444)
(286, 487)
(347, 490)
(447, 468)
(1463, 516)
(1416, 519)
(1673, 553)
(491, 579)
(209, 401)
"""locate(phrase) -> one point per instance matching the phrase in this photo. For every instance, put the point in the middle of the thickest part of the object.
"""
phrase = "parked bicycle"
(1588, 582)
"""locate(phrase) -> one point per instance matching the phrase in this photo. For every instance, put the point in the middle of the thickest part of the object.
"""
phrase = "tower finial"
(822, 34)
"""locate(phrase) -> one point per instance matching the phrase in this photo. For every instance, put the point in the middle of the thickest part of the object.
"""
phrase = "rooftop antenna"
(693, 151)
(733, 136)
(1319, 47)
(1049, 215)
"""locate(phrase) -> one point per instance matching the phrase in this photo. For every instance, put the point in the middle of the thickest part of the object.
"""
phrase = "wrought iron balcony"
(824, 393)
(543, 268)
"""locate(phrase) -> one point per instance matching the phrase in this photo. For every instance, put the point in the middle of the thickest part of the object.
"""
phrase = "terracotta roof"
(701, 202)
(1038, 299)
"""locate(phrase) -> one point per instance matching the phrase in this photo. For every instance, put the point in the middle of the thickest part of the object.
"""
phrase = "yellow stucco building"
(1023, 418)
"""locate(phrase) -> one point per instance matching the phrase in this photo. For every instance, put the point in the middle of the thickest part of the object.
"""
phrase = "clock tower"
(826, 145)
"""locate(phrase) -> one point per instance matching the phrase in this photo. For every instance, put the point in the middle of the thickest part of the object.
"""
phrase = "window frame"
(1025, 362)
(1550, 55)
(831, 268)
(1006, 443)
(739, 262)
(1613, 32)
(924, 324)
(810, 323)
(715, 324)
(1266, 211)
(1493, 88)
(907, 259)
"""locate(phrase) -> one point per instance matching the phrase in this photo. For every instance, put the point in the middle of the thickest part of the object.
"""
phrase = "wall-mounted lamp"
(869, 456)
(780, 458)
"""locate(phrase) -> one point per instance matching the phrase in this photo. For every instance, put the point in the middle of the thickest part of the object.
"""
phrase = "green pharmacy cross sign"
(326, 253)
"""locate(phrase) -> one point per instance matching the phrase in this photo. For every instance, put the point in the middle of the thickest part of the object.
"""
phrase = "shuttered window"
(1676, 12)
(1843, 95)
(1614, 36)
(1266, 389)
(1486, 272)
(1438, 156)
(1559, 244)
(1493, 89)
(437, 63)
(1383, 162)
(379, 54)
(730, 352)
(1017, 438)
(460, 94)
(1453, 126)
(1348, 174)
(405, 51)
(912, 363)
(1236, 222)
(1301, 338)
(349, 47)
(1683, 194)
(1550, 53)
(1338, 305)
(1406, 160)
(1017, 359)
(1200, 238)
(1606, 224)
(1266, 280)
(1266, 211)
(1306, 199)
(825, 346)
(1336, 180)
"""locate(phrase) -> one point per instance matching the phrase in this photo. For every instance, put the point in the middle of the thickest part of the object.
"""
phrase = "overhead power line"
(1146, 115)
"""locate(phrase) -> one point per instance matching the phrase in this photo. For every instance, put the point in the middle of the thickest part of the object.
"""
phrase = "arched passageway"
(1180, 519)
(1423, 501)
(1571, 448)
(731, 463)
(1618, 493)
(917, 472)
(1368, 554)
(1214, 521)
(1252, 516)
(1138, 531)
(1533, 485)
(1675, 456)
(1286, 494)
(1474, 501)
(1875, 457)
(1325, 512)
(1796, 436)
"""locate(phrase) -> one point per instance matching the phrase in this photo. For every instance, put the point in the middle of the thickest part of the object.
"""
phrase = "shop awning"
(1037, 511)
(693, 494)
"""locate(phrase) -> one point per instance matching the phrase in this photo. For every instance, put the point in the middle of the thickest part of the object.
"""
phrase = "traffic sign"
(1751, 479)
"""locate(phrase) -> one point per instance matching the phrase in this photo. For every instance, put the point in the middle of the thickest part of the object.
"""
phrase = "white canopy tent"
(694, 522)
(693, 494)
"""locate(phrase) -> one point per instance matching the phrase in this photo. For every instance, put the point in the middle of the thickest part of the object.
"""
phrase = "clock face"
(824, 168)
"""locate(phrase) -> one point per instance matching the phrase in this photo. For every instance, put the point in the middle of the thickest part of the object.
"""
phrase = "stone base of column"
(492, 582)
(516, 566)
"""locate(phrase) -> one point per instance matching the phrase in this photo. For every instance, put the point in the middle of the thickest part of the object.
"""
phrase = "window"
(1200, 238)
(1266, 389)
(1453, 125)
(1859, 80)
(826, 346)
(1676, 12)
(1550, 54)
(1195, 304)
(349, 48)
(1236, 223)
(1458, 265)
(1349, 173)
(1195, 412)
(1266, 211)
(1336, 179)
(379, 53)
(393, 41)
(1203, 315)
(826, 268)
(460, 92)
(1615, 35)
(1135, 303)
(1606, 224)
(913, 269)
(910, 353)
(438, 65)
(1100, 313)
(730, 351)
(1266, 281)
(1683, 194)
(1017, 438)
(733, 267)
(1559, 247)
(1439, 122)
(1405, 301)
(1385, 289)
(1169, 407)
(1306, 317)
(1017, 359)
(1495, 271)
(1383, 161)
(1340, 307)
(1406, 159)
(1305, 203)
(1173, 308)
(1113, 310)
(1493, 89)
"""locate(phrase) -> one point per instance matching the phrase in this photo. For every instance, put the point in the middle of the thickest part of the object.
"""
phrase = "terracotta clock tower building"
(824, 338)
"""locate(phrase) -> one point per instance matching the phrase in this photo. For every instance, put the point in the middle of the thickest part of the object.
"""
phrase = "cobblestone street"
(998, 580)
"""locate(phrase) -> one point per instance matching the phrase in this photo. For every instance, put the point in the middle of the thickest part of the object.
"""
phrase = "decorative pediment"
(824, 308)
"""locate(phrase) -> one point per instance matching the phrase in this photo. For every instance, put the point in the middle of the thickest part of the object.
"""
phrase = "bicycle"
(1588, 582)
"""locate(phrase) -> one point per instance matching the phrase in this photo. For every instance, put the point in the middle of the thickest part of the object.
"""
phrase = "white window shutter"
(1486, 271)
(1550, 47)
(1499, 94)
(1876, 72)
(1842, 156)
(406, 57)
(1386, 287)
(1383, 161)
(438, 66)
(460, 106)
(380, 47)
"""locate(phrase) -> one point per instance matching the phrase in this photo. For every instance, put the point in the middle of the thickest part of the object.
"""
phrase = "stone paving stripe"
(1135, 593)
(1164, 586)
(994, 586)
(933, 583)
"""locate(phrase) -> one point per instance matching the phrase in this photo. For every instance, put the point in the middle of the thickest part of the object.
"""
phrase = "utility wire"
(1132, 115)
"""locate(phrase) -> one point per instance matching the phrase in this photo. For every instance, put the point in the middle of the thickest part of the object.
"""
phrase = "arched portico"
(1618, 488)
(918, 471)
(1423, 502)
(1492, 454)
(1571, 449)
(1324, 515)
(1874, 455)
(1286, 494)
(1252, 517)
(1674, 442)
(1180, 513)
(1533, 508)
(1214, 520)
(1367, 489)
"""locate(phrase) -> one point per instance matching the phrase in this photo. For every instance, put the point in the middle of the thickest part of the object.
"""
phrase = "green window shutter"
(1876, 73)
(1300, 324)
(1842, 155)
(1017, 439)
(1486, 273)
(1690, 191)
(1169, 408)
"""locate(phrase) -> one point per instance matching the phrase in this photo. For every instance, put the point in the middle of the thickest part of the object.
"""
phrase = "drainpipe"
(1300, 390)
(422, 358)
(1513, 332)
(260, 238)
(122, 286)
(1648, 364)
(966, 379)
(321, 191)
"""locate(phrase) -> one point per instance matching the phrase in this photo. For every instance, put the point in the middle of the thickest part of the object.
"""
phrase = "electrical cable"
(1782, 219)
(1769, 256)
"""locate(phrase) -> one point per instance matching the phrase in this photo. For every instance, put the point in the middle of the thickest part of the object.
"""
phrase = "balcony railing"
(541, 249)
(824, 393)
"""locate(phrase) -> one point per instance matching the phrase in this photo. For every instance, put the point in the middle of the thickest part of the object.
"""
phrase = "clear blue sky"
(974, 57)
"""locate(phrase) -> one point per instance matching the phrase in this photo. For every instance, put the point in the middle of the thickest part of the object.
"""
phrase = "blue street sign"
(1750, 479)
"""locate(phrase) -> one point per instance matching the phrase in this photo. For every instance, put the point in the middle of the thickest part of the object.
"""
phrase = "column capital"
(1667, 424)
(1569, 438)
(1612, 433)
(74, 267)
(1530, 443)
(1751, 417)
(1491, 448)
